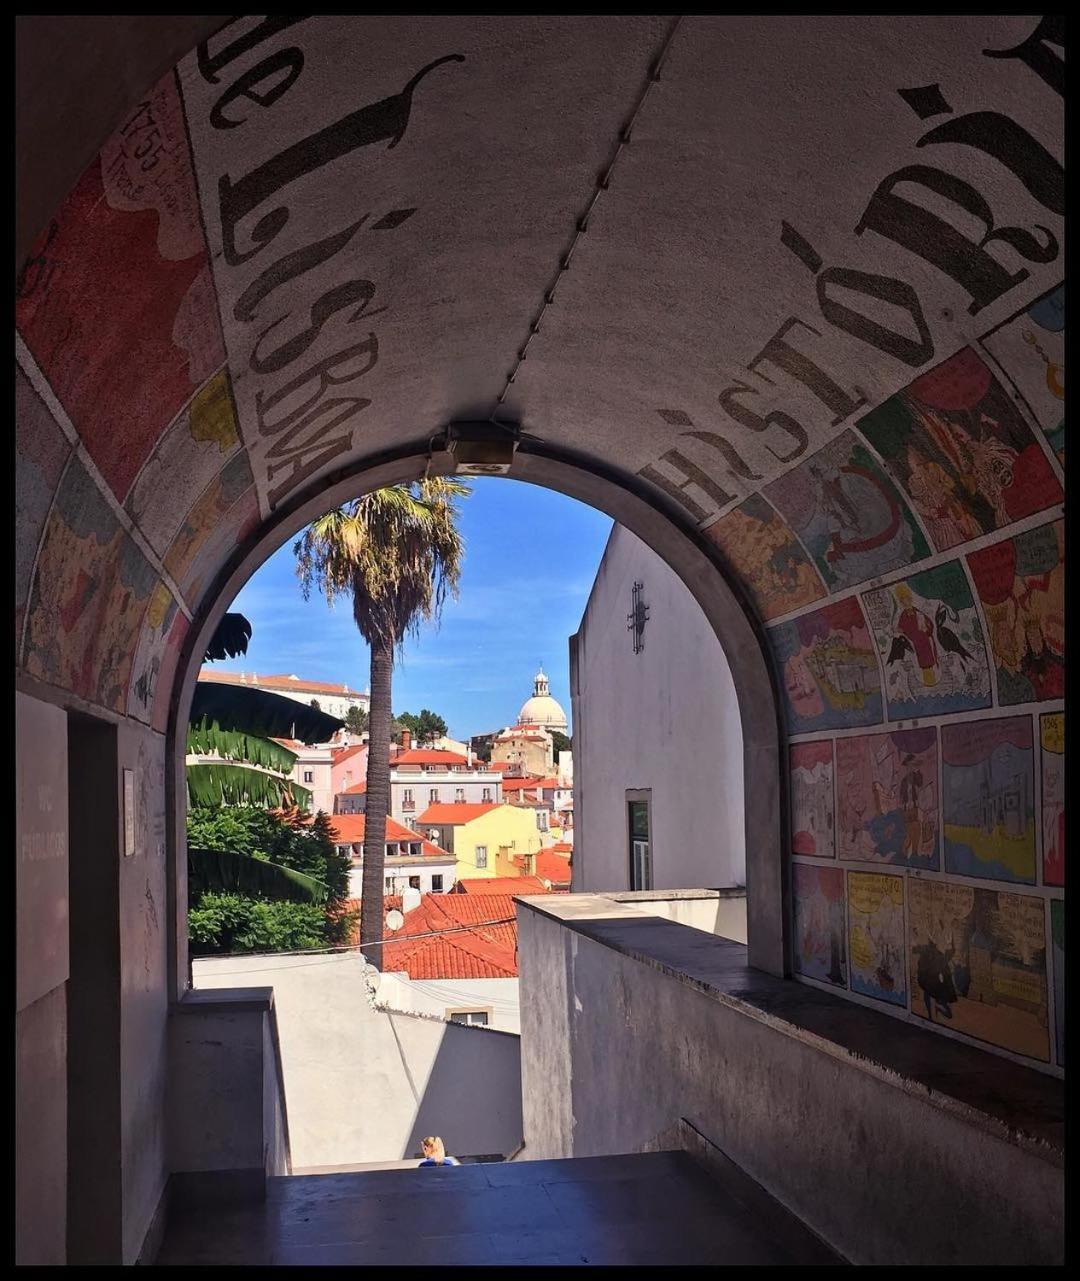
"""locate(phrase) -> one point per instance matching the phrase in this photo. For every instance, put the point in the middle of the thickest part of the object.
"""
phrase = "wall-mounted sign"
(129, 813)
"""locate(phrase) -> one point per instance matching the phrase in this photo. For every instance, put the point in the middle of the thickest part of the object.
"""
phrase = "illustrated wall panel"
(91, 587)
(117, 304)
(887, 798)
(188, 457)
(1030, 349)
(41, 450)
(768, 557)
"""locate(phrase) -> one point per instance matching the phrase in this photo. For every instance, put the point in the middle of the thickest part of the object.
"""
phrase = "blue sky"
(530, 559)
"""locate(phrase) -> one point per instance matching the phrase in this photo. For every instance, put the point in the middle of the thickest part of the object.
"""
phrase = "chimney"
(468, 756)
(406, 740)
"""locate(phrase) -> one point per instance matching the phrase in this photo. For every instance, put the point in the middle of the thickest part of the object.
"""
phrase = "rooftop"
(500, 885)
(458, 812)
(283, 681)
(349, 830)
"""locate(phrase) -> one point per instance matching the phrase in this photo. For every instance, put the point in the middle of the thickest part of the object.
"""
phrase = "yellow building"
(482, 838)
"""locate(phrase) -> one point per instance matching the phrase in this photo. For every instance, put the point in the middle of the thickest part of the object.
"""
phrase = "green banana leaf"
(225, 783)
(207, 738)
(225, 872)
(258, 712)
(230, 638)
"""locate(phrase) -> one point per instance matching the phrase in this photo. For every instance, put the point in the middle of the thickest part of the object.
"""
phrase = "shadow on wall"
(470, 1061)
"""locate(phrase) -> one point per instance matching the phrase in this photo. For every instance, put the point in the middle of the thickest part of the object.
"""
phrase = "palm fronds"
(230, 638)
(226, 872)
(248, 710)
(226, 783)
(207, 738)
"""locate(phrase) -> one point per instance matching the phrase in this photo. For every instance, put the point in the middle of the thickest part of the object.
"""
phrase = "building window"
(471, 1018)
(436, 884)
(459, 795)
(308, 776)
(414, 882)
(433, 796)
(481, 856)
(638, 826)
(406, 799)
(487, 793)
(388, 885)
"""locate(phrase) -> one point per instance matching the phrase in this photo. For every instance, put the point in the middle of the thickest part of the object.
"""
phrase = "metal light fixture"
(482, 448)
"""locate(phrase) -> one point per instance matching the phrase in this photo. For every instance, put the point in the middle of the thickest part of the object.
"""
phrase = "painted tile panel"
(1057, 935)
(90, 590)
(184, 462)
(829, 669)
(960, 449)
(1021, 582)
(153, 636)
(1052, 743)
(818, 896)
(988, 799)
(122, 319)
(41, 449)
(848, 513)
(930, 640)
(878, 947)
(768, 557)
(978, 964)
(1030, 348)
(887, 798)
(812, 819)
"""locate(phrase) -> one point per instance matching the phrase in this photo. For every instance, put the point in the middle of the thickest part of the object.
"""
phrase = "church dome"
(542, 709)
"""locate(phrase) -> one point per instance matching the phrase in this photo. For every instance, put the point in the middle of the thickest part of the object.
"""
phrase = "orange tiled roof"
(458, 812)
(349, 829)
(429, 756)
(483, 951)
(358, 789)
(342, 754)
(500, 885)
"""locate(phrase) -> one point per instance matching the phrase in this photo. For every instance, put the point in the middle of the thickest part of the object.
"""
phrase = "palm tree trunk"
(377, 803)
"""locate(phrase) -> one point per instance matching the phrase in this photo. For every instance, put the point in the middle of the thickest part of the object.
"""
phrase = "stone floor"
(649, 1208)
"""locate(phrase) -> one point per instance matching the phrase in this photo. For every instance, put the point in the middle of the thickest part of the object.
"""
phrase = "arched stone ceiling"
(803, 275)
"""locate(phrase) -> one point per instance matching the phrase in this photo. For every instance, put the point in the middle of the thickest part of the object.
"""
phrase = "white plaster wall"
(361, 1085)
(436, 996)
(666, 719)
(725, 917)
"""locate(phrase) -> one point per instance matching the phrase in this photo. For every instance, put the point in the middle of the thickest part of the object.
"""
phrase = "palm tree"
(396, 552)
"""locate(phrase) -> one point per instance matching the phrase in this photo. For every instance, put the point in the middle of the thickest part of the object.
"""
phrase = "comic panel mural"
(1021, 582)
(90, 590)
(1057, 935)
(41, 450)
(818, 896)
(115, 302)
(848, 513)
(978, 964)
(1052, 745)
(829, 670)
(187, 458)
(988, 804)
(153, 637)
(930, 640)
(812, 827)
(887, 798)
(876, 934)
(768, 557)
(960, 449)
(205, 520)
(1030, 348)
(161, 688)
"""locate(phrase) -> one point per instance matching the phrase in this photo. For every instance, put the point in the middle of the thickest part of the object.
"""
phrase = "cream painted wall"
(665, 719)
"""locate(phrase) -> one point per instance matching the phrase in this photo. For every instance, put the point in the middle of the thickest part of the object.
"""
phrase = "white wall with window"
(489, 1003)
(661, 722)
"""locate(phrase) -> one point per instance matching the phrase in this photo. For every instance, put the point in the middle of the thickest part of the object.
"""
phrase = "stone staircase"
(654, 1208)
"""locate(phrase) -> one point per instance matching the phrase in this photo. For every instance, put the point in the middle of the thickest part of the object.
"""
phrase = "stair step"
(645, 1208)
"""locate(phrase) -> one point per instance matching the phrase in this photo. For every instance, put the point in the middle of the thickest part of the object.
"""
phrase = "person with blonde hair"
(435, 1153)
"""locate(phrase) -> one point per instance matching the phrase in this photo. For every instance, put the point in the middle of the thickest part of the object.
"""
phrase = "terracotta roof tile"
(500, 885)
(459, 812)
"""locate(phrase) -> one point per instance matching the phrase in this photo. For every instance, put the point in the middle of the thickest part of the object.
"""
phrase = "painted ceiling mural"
(825, 317)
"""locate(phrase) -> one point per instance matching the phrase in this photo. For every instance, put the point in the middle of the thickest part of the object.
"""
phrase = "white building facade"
(658, 756)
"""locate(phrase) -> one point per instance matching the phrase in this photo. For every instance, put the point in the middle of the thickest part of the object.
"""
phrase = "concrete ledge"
(1014, 1103)
(672, 896)
(225, 1000)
